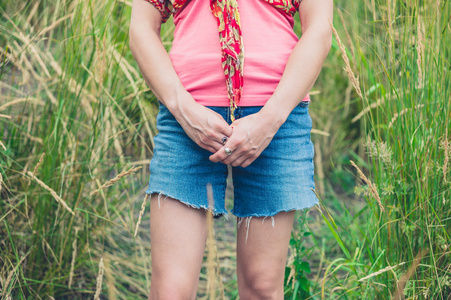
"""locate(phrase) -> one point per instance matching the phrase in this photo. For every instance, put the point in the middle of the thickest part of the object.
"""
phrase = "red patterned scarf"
(228, 18)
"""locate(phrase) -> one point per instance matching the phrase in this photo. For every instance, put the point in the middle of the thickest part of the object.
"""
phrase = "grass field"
(76, 136)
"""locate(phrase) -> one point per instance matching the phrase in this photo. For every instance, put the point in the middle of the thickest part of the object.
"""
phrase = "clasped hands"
(249, 137)
(246, 137)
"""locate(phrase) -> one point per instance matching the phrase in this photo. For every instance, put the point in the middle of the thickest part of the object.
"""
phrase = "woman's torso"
(268, 39)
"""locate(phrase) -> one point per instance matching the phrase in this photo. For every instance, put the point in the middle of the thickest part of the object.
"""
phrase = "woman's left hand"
(251, 135)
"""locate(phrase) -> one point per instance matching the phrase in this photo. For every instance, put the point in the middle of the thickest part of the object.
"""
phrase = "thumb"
(227, 130)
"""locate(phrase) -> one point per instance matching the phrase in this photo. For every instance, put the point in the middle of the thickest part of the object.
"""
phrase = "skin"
(178, 235)
(178, 232)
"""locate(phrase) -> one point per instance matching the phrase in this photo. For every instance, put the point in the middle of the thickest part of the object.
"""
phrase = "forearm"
(303, 67)
(153, 59)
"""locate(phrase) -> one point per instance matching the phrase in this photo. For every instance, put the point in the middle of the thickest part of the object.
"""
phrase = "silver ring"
(224, 140)
(227, 150)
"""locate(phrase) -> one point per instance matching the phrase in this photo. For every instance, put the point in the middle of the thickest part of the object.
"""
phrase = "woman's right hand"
(204, 126)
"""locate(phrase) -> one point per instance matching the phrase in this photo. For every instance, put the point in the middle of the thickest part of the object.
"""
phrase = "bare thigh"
(261, 256)
(178, 234)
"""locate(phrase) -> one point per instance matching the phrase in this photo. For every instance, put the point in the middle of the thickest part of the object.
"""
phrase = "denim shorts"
(280, 179)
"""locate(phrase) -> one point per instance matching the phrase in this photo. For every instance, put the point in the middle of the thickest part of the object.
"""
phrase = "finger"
(213, 146)
(221, 126)
(224, 140)
(212, 139)
(238, 154)
(247, 162)
(242, 151)
(208, 148)
(243, 158)
(230, 159)
(236, 144)
(216, 145)
(233, 143)
(221, 138)
(237, 162)
(214, 135)
(226, 130)
(219, 155)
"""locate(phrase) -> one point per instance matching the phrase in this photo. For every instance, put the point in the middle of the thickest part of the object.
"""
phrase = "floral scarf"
(228, 18)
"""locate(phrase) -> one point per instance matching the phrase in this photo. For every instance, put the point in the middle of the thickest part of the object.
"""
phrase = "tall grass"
(77, 121)
(402, 56)
(408, 138)
(68, 89)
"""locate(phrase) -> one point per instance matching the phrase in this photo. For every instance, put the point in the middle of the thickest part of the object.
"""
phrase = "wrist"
(271, 119)
(179, 103)
(275, 112)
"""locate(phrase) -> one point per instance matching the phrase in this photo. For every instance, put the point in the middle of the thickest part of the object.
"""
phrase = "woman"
(239, 100)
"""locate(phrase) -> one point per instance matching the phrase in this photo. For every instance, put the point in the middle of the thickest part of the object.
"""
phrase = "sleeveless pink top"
(268, 39)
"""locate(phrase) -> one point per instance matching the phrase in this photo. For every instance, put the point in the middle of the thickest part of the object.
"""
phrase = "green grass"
(71, 89)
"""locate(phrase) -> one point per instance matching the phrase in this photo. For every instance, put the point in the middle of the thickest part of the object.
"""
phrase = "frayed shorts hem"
(216, 214)
(272, 214)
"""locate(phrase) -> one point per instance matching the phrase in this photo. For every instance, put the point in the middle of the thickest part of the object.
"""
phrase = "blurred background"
(77, 123)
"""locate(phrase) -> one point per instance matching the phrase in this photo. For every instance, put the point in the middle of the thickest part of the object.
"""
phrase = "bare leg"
(178, 235)
(261, 259)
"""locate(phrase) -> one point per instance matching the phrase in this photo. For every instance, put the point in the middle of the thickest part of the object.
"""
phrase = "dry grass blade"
(117, 178)
(212, 266)
(51, 251)
(348, 69)
(320, 132)
(74, 255)
(381, 271)
(211, 274)
(378, 103)
(56, 23)
(6, 284)
(446, 149)
(110, 281)
(99, 280)
(420, 51)
(33, 12)
(52, 192)
(347, 34)
(41, 159)
(1, 181)
(2, 145)
(141, 212)
(397, 115)
(6, 291)
(398, 294)
(372, 187)
(319, 167)
(33, 138)
(390, 28)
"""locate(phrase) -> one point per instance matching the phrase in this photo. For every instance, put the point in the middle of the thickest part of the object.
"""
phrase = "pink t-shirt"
(268, 39)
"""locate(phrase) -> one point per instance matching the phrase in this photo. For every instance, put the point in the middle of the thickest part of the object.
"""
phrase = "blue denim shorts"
(280, 179)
